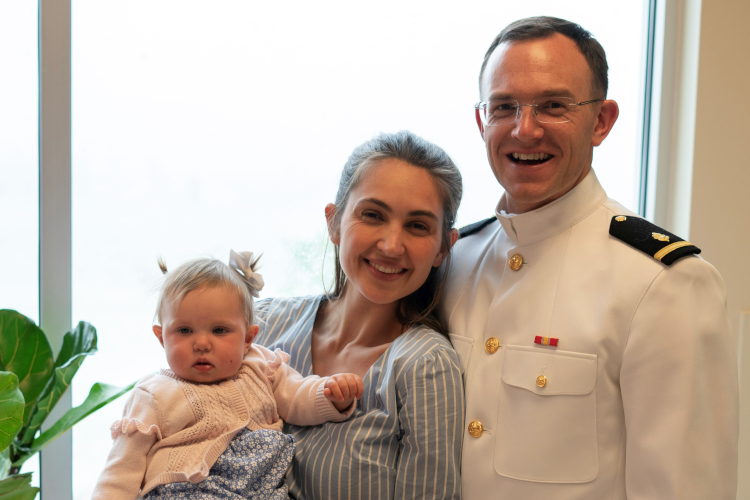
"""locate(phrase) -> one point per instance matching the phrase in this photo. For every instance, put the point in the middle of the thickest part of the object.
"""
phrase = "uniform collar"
(531, 227)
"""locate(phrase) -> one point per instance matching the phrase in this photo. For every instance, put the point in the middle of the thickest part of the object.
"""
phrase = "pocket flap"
(566, 372)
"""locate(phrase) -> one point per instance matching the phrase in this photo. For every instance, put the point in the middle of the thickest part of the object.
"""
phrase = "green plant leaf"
(25, 351)
(77, 344)
(11, 408)
(80, 340)
(99, 395)
(17, 487)
(4, 462)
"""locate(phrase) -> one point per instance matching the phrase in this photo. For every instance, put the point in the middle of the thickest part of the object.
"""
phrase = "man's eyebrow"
(559, 92)
(498, 96)
(387, 208)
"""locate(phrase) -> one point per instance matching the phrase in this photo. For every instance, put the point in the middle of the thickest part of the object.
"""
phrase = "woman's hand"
(342, 389)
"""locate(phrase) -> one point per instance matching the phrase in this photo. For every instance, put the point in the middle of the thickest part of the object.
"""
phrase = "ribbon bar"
(546, 340)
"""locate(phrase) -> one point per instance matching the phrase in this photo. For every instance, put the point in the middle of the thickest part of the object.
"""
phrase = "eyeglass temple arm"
(589, 102)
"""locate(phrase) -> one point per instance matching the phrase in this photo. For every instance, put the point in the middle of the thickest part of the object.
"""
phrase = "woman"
(392, 227)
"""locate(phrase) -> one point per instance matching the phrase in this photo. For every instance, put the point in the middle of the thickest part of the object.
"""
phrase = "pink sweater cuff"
(326, 408)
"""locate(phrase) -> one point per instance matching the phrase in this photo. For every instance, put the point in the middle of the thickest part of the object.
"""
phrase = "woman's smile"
(384, 271)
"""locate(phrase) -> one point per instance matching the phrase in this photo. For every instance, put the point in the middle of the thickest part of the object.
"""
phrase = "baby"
(210, 426)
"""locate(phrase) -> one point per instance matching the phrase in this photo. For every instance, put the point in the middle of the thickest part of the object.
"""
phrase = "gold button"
(621, 218)
(515, 262)
(492, 345)
(476, 428)
(541, 381)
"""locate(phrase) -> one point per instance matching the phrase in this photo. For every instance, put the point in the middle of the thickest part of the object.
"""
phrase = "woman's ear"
(454, 237)
(333, 231)
(442, 254)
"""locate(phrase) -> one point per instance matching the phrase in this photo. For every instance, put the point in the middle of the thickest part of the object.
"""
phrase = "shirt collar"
(531, 227)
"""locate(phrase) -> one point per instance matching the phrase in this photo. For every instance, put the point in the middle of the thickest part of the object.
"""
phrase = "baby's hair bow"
(244, 263)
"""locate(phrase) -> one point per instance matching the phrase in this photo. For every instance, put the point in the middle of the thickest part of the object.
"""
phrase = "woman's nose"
(527, 128)
(391, 243)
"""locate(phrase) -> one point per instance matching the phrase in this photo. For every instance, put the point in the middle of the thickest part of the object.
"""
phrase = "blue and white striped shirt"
(404, 439)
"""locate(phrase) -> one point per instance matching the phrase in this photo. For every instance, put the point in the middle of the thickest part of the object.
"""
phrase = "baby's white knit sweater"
(174, 430)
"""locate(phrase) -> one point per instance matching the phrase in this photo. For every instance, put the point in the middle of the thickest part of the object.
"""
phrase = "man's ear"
(605, 120)
(479, 123)
(157, 332)
(333, 231)
(252, 331)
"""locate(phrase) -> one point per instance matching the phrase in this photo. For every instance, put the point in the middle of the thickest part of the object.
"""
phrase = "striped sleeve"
(430, 413)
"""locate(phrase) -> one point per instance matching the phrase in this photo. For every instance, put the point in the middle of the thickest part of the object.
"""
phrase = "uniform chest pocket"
(546, 428)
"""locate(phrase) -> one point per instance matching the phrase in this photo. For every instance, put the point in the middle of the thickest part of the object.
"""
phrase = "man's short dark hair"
(542, 27)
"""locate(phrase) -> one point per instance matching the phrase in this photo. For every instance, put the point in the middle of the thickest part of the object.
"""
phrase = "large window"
(19, 164)
(19, 170)
(204, 126)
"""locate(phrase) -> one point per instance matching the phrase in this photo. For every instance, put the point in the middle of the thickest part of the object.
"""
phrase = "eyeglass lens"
(546, 110)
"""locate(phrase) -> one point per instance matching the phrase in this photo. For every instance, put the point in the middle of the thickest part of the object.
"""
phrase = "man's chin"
(527, 191)
(526, 197)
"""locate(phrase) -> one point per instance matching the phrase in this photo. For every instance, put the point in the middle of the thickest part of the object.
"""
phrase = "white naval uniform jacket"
(641, 396)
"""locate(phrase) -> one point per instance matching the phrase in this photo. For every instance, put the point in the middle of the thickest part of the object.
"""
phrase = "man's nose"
(391, 242)
(527, 128)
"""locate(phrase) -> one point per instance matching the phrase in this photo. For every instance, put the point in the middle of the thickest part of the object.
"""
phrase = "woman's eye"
(370, 215)
(420, 226)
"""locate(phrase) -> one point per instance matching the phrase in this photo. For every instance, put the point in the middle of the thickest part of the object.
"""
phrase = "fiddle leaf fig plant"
(17, 488)
(12, 405)
(32, 382)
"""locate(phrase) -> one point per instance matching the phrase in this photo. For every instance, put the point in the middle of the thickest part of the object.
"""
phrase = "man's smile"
(529, 158)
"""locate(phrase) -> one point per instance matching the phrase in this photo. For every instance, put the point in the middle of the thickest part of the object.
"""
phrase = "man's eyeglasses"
(546, 110)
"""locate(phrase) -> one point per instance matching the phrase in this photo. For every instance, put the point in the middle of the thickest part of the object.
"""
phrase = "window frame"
(55, 235)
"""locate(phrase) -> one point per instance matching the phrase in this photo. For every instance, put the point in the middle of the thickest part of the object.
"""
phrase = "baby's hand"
(343, 388)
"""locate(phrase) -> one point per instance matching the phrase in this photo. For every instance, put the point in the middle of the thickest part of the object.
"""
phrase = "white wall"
(720, 197)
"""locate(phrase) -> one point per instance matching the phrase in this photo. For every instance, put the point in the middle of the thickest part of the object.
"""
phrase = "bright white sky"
(204, 126)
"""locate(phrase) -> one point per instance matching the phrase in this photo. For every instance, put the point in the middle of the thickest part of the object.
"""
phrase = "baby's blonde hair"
(204, 273)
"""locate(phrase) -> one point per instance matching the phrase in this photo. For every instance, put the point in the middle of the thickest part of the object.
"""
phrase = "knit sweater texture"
(173, 430)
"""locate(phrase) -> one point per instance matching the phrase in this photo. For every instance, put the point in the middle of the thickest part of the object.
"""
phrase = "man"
(596, 349)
